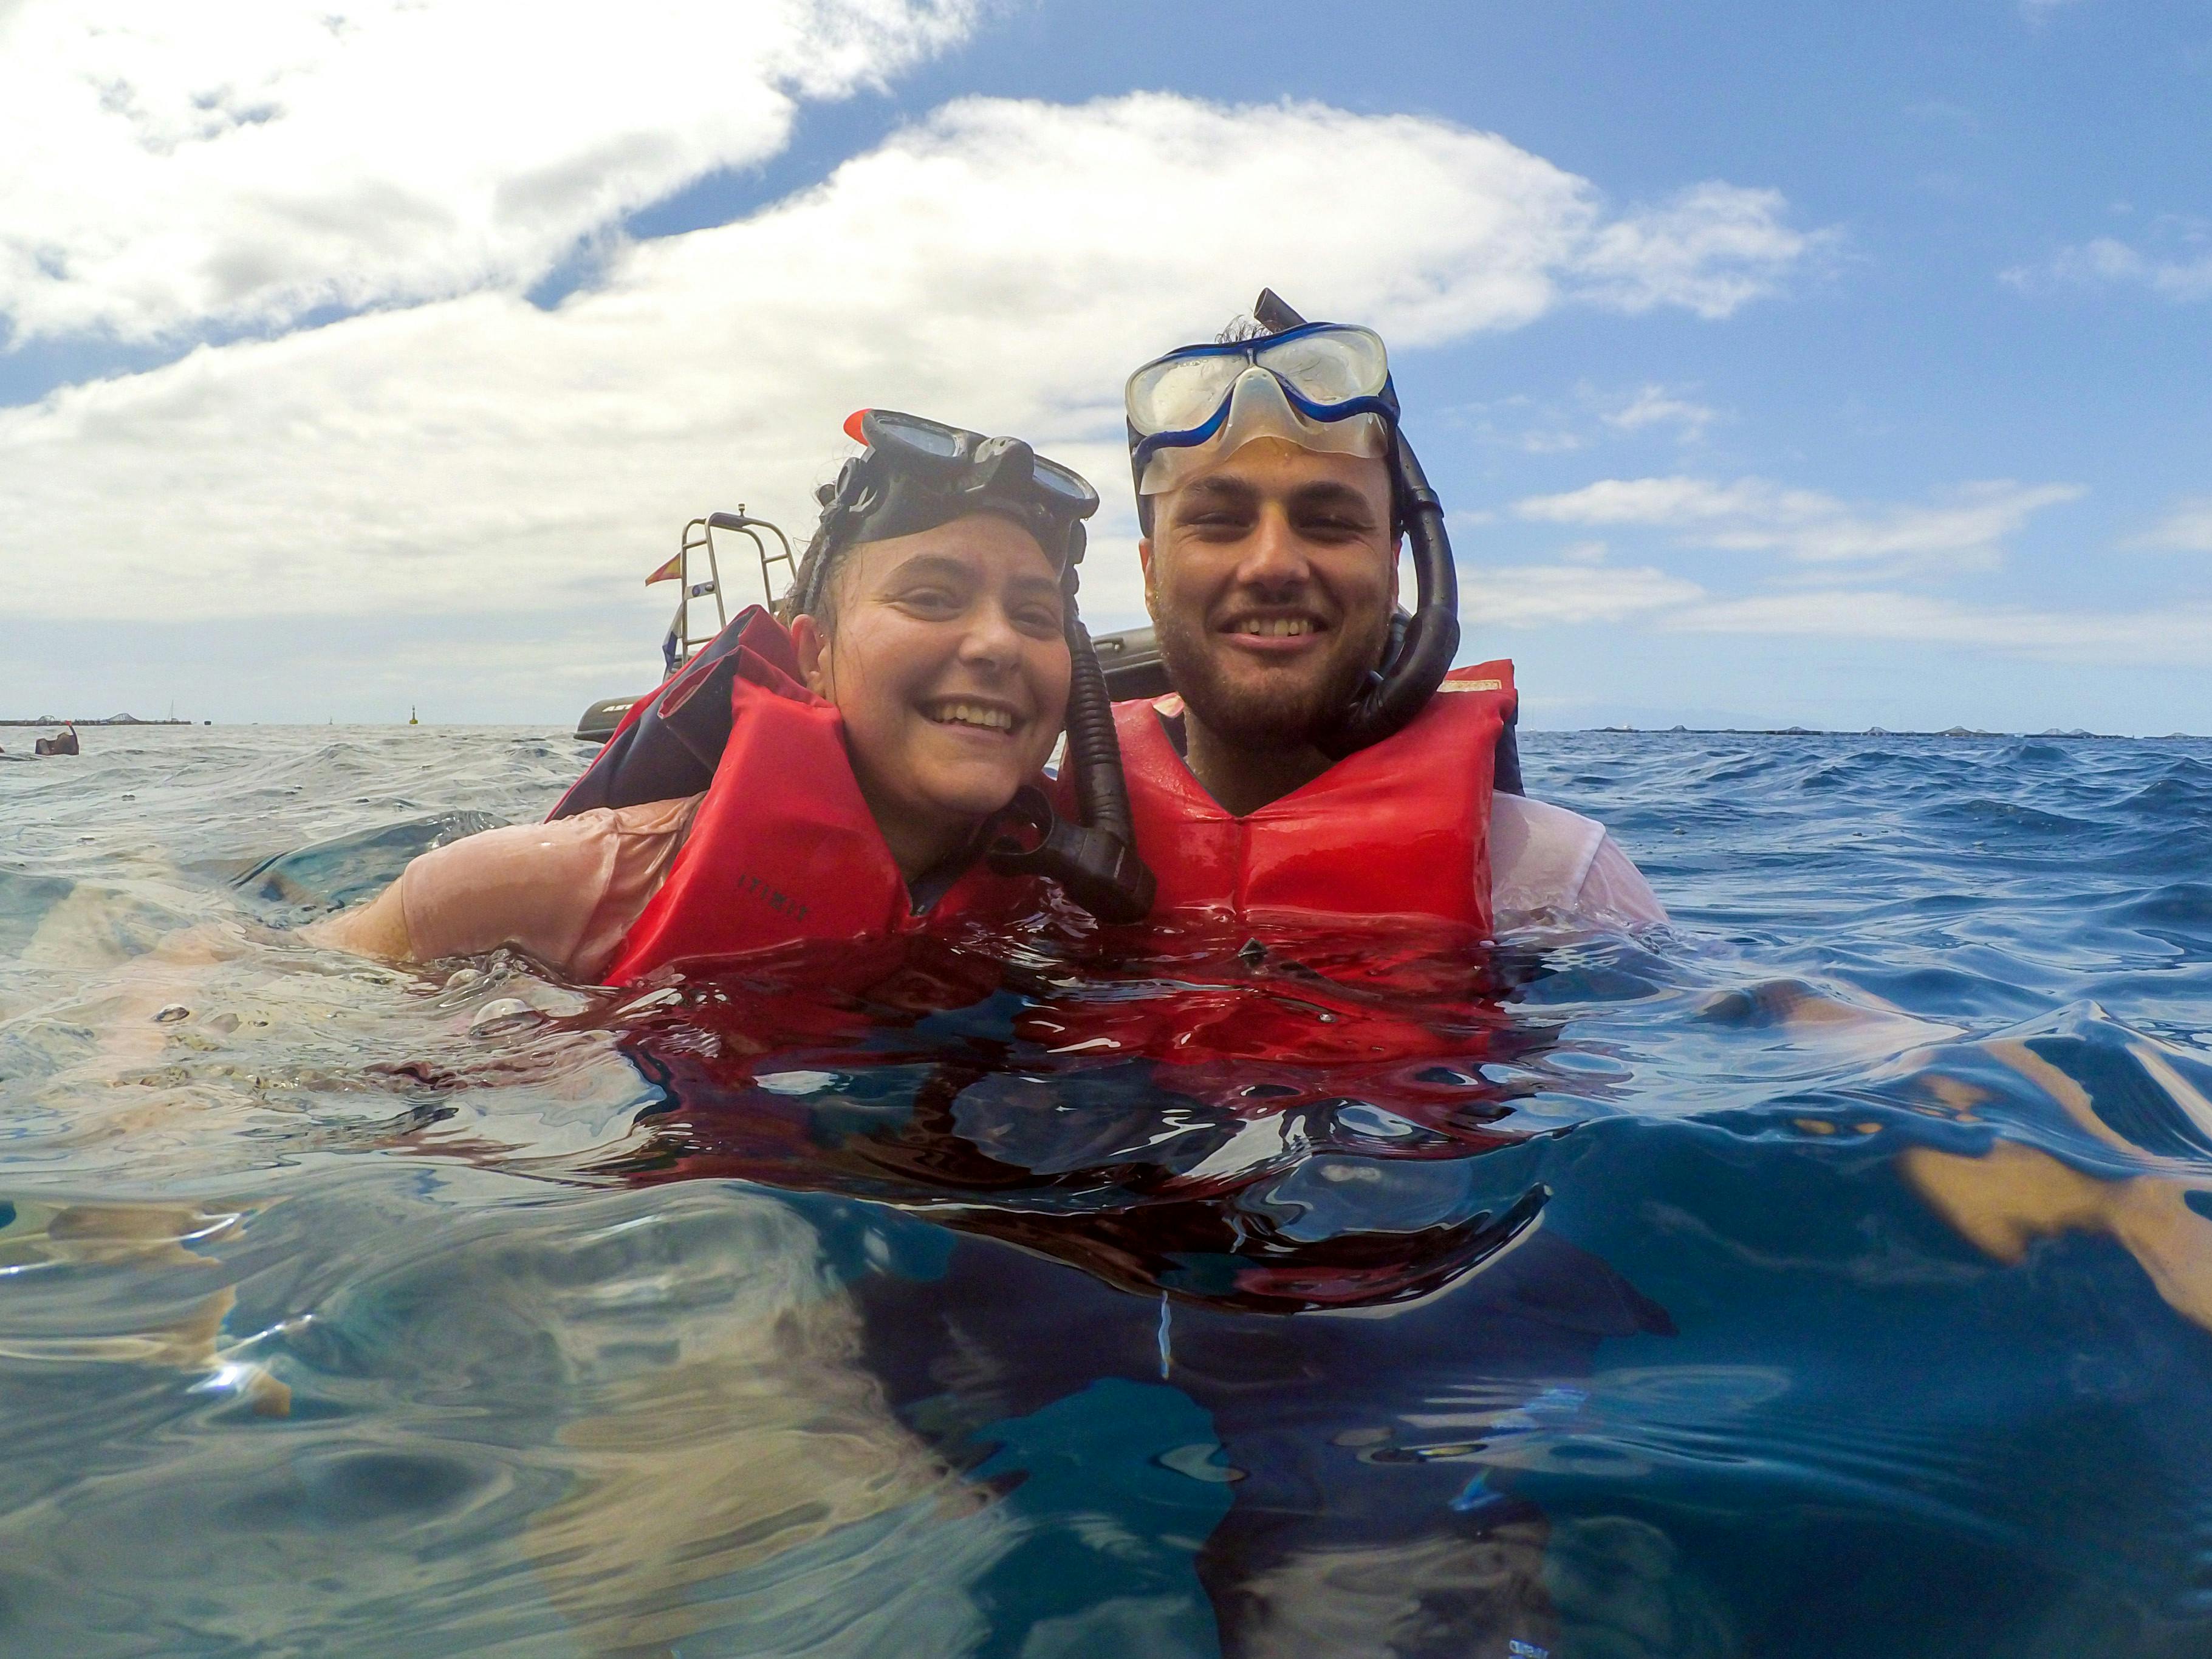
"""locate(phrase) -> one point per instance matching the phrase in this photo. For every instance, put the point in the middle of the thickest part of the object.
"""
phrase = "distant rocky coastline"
(1871, 732)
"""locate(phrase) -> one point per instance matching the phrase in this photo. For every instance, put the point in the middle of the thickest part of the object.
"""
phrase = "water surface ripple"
(1830, 1274)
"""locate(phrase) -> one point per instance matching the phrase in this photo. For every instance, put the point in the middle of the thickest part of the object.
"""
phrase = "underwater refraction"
(1828, 1274)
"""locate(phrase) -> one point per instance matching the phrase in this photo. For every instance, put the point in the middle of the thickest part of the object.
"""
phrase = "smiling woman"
(921, 681)
(946, 653)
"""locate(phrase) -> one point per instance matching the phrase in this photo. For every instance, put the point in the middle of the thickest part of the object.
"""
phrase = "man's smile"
(1275, 633)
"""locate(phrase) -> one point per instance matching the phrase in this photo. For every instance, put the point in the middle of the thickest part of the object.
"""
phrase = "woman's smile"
(972, 712)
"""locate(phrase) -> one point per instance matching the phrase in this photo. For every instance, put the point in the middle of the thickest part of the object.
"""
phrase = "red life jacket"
(1367, 893)
(783, 850)
(1371, 986)
(1399, 829)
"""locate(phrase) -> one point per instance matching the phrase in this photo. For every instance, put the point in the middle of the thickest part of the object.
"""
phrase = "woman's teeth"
(1276, 628)
(972, 713)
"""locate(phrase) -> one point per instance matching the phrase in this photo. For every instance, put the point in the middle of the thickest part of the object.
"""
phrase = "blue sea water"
(1828, 1274)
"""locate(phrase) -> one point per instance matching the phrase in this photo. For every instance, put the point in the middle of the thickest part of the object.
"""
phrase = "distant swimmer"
(825, 774)
(64, 743)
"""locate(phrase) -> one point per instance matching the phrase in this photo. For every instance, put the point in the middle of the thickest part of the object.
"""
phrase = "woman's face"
(948, 659)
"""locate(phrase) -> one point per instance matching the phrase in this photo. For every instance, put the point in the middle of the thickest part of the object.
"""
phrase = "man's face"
(1271, 578)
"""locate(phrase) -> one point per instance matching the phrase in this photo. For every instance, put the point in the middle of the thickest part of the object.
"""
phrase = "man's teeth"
(1276, 628)
(973, 713)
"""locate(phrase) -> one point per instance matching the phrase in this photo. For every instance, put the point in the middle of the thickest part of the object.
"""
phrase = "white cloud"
(1551, 440)
(1590, 414)
(1540, 596)
(1003, 264)
(1566, 595)
(165, 166)
(2182, 270)
(2187, 529)
(1968, 527)
(1819, 530)
(1710, 249)
(1653, 405)
(2178, 635)
(1674, 500)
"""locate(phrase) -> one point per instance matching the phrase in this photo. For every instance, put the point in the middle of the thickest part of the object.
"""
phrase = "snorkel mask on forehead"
(917, 474)
(1324, 387)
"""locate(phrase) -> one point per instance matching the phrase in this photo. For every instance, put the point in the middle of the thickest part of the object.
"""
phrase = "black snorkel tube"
(1420, 649)
(1094, 859)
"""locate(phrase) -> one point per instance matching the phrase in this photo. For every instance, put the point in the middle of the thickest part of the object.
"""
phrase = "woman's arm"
(564, 892)
(377, 928)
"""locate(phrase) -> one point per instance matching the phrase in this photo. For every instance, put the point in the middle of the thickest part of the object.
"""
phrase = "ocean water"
(1830, 1273)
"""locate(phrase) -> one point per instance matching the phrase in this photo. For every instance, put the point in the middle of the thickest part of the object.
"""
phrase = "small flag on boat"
(670, 572)
(701, 590)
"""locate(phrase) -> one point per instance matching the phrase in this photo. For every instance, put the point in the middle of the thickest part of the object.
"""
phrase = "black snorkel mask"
(917, 474)
(1326, 386)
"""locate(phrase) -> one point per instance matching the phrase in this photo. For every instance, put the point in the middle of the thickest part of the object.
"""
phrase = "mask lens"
(926, 437)
(1063, 485)
(1178, 393)
(1331, 365)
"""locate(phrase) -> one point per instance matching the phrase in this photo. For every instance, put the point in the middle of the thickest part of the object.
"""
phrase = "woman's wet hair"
(813, 590)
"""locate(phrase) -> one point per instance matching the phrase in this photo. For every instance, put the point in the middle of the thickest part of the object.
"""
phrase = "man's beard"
(1283, 712)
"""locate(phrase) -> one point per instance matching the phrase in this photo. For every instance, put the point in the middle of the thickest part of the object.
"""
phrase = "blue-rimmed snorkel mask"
(1325, 388)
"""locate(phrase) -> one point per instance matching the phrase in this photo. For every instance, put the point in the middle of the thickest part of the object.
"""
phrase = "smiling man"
(1274, 490)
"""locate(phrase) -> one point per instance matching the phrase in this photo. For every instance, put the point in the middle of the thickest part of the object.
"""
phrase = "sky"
(1834, 364)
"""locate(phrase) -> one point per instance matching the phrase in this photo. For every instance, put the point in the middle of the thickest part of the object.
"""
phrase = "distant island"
(112, 719)
(1873, 732)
